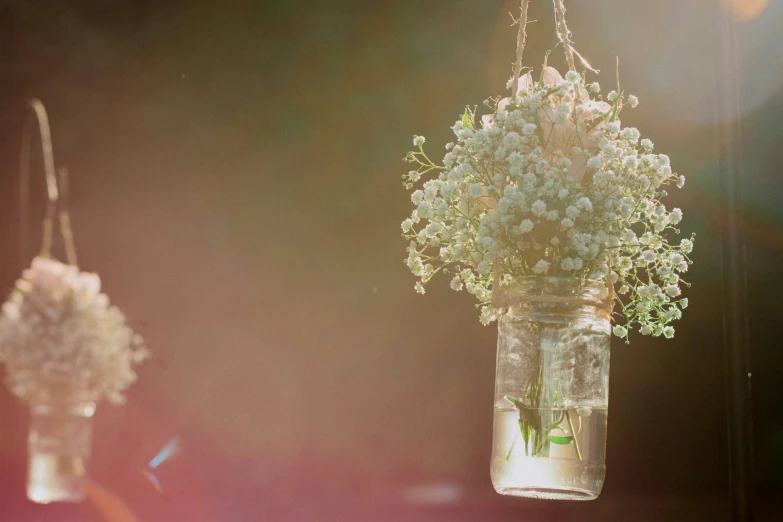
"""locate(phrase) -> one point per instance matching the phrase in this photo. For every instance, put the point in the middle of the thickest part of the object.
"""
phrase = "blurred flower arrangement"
(550, 183)
(63, 345)
(57, 328)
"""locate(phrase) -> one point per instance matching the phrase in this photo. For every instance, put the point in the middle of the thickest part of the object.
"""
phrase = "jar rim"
(567, 290)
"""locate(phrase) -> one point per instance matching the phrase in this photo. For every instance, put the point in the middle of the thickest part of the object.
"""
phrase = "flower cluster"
(550, 183)
(58, 333)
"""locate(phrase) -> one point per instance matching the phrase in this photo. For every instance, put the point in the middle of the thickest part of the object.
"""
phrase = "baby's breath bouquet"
(549, 182)
(549, 211)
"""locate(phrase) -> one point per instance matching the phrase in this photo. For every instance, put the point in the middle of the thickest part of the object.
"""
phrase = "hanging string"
(521, 37)
(65, 219)
(40, 117)
(564, 35)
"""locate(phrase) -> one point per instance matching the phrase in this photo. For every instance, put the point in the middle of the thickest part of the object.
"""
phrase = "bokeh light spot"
(747, 10)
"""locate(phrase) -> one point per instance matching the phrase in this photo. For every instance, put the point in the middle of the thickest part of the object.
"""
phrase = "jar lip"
(567, 290)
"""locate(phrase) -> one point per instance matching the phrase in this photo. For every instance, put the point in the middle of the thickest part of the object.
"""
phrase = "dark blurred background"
(235, 180)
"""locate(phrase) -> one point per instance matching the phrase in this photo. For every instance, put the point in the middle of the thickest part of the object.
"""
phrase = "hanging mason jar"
(59, 447)
(552, 389)
(64, 346)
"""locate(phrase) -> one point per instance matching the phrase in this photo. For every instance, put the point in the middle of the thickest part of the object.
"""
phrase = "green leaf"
(560, 440)
(466, 120)
(527, 414)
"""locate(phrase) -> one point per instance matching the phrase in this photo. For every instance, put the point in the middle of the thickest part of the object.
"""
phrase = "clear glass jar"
(59, 445)
(552, 389)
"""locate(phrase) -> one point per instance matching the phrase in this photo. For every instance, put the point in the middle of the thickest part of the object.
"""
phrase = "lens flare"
(747, 10)
(171, 448)
(112, 507)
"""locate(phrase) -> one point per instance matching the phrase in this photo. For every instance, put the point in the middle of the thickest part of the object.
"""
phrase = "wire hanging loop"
(53, 191)
(564, 34)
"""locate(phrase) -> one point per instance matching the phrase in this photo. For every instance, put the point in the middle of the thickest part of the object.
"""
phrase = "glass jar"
(552, 389)
(59, 445)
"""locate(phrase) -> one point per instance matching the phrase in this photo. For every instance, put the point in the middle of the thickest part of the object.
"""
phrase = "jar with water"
(552, 389)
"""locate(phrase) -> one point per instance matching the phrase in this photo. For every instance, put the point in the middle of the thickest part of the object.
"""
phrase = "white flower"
(645, 329)
(407, 225)
(683, 303)
(675, 216)
(596, 162)
(541, 267)
(647, 144)
(668, 332)
(630, 162)
(573, 77)
(585, 204)
(686, 245)
(418, 141)
(595, 88)
(566, 223)
(526, 226)
(633, 100)
(475, 190)
(538, 208)
(620, 331)
(673, 290)
(612, 96)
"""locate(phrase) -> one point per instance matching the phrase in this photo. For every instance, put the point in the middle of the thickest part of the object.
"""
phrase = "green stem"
(573, 434)
(514, 443)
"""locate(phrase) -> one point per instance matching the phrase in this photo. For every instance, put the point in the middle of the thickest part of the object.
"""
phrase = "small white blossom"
(538, 208)
(620, 331)
(526, 226)
(418, 141)
(585, 204)
(633, 101)
(541, 267)
(596, 162)
(672, 290)
(630, 162)
(573, 77)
